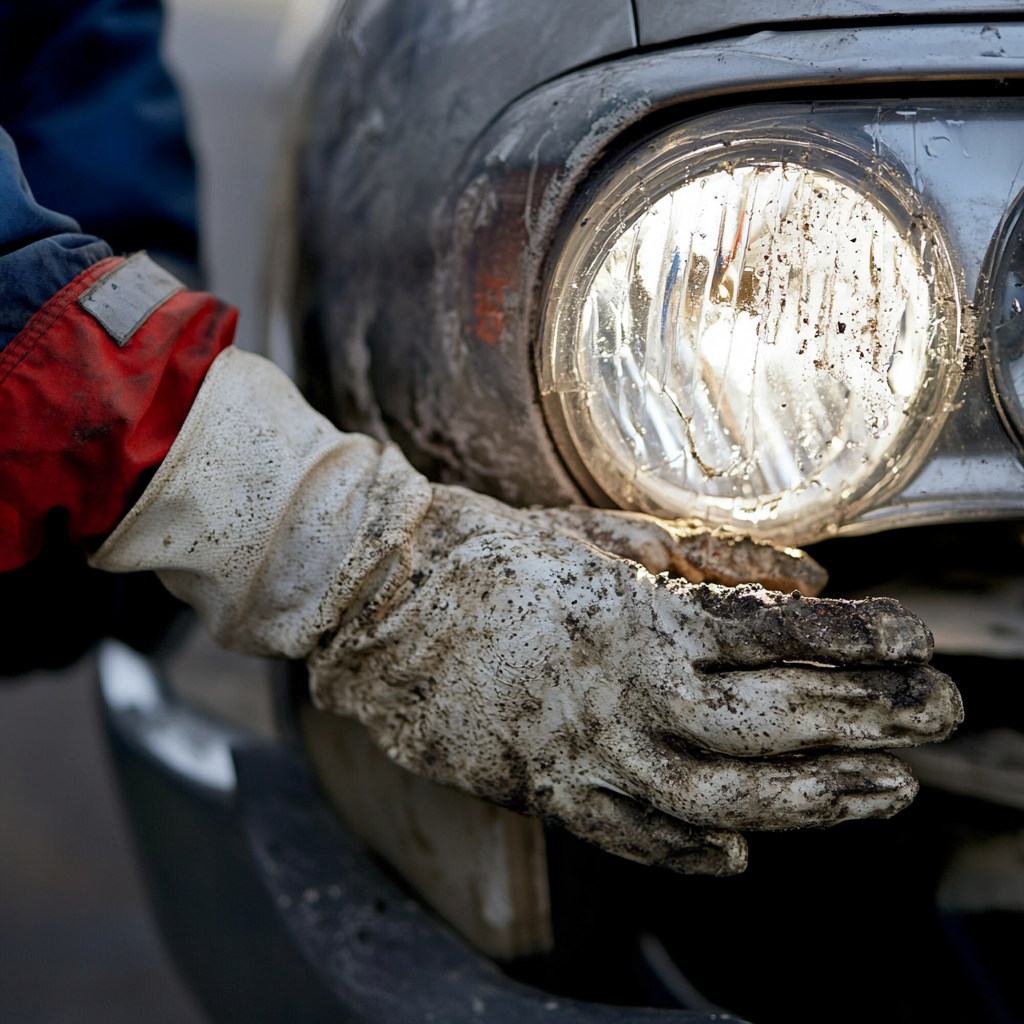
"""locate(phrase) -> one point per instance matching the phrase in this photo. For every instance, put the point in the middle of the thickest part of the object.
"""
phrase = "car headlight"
(757, 329)
(1002, 305)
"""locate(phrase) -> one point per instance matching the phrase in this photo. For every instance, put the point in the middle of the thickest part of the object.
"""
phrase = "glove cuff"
(273, 524)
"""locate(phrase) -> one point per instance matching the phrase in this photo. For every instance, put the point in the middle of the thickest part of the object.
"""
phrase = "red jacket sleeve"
(93, 392)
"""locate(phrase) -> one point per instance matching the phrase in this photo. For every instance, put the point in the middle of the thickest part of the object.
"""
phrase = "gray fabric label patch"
(124, 299)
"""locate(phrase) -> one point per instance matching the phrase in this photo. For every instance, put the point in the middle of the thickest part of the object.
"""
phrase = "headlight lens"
(753, 330)
(1002, 304)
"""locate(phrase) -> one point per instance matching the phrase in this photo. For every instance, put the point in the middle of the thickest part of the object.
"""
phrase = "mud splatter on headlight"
(757, 330)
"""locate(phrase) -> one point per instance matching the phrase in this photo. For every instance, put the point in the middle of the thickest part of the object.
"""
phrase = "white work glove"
(500, 651)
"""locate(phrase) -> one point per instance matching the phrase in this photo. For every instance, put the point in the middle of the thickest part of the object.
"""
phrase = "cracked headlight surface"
(754, 329)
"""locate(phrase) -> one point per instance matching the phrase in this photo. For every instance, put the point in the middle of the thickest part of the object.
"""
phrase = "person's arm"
(55, 606)
(102, 137)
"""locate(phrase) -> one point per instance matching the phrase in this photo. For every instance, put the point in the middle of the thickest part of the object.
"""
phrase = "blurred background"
(77, 942)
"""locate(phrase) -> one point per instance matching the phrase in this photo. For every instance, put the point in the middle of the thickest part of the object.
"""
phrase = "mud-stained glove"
(689, 550)
(502, 652)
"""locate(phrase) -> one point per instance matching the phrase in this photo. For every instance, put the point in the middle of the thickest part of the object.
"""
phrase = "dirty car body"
(449, 161)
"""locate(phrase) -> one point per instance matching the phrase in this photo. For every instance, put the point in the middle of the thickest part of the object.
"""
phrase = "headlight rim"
(741, 132)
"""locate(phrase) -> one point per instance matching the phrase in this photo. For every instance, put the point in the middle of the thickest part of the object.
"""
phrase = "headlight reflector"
(750, 329)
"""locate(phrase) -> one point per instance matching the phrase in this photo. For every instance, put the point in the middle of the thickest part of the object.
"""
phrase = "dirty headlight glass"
(1002, 304)
(754, 331)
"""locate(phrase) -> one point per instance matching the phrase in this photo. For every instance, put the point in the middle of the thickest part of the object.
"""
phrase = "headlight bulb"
(750, 330)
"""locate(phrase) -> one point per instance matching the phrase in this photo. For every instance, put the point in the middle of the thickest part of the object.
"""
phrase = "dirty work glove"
(689, 550)
(498, 651)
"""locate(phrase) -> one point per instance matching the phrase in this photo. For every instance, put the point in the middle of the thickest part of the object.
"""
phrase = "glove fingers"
(623, 827)
(789, 708)
(753, 627)
(691, 550)
(705, 557)
(789, 792)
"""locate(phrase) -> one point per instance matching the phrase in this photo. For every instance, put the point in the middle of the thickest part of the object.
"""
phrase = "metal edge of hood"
(667, 21)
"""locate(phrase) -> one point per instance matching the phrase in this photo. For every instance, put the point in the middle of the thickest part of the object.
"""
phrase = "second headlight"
(751, 327)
